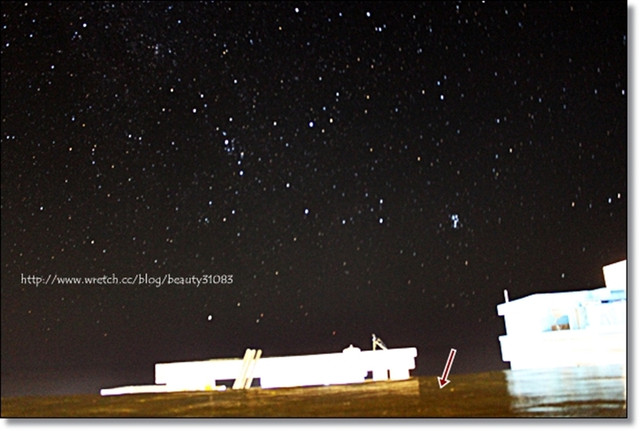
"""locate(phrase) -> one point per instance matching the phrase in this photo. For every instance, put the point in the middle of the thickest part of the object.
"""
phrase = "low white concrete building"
(352, 365)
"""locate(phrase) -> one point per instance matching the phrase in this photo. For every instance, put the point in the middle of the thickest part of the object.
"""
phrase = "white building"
(562, 329)
(352, 365)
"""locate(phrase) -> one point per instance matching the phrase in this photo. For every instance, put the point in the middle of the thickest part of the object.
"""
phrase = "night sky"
(331, 170)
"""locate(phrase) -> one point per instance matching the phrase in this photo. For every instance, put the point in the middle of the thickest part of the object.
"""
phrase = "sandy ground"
(483, 395)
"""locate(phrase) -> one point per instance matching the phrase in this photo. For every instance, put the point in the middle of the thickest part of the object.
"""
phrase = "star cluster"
(356, 168)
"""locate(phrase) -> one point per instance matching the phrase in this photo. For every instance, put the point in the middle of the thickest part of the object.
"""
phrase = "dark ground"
(481, 395)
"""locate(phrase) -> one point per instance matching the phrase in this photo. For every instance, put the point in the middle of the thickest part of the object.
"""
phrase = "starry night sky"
(346, 168)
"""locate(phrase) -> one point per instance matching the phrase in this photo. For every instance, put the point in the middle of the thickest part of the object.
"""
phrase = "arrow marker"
(443, 381)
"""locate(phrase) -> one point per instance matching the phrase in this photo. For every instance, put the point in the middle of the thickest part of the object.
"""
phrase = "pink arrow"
(443, 381)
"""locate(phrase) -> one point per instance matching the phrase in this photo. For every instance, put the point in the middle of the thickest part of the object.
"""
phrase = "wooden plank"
(246, 360)
(251, 369)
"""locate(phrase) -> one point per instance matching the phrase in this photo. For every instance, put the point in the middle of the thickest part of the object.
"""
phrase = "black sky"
(355, 167)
